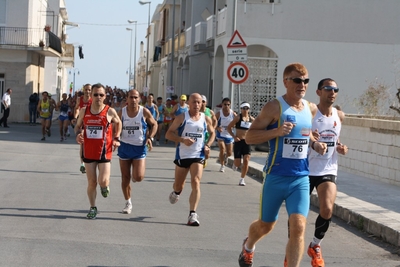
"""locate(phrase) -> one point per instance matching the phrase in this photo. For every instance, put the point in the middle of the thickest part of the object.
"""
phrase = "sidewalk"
(370, 205)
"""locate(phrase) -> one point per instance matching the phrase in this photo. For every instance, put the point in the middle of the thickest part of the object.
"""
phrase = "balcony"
(200, 37)
(68, 55)
(221, 25)
(38, 40)
(188, 34)
(210, 35)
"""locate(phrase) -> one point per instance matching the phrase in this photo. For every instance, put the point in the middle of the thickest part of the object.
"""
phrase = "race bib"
(330, 148)
(295, 148)
(245, 124)
(94, 132)
(194, 136)
(129, 131)
(63, 113)
(45, 110)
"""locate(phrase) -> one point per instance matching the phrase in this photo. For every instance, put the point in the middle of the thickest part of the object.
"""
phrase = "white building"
(353, 42)
(33, 52)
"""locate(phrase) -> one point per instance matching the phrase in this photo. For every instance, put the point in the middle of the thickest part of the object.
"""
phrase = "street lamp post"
(130, 61)
(134, 55)
(74, 70)
(148, 37)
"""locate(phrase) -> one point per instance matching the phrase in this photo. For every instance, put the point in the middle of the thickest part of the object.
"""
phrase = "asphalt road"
(44, 205)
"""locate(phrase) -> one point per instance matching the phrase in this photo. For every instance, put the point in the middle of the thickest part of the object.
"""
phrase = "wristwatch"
(116, 138)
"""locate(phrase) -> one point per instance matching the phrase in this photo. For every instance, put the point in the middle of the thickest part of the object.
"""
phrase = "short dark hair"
(226, 99)
(321, 82)
(8, 90)
(159, 98)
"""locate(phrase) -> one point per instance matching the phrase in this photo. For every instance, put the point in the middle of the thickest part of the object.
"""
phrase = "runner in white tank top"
(326, 126)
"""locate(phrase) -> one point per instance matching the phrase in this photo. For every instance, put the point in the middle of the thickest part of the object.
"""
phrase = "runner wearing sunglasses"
(286, 124)
(98, 143)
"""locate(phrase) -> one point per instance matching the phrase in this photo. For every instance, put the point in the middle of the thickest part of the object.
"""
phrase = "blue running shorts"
(294, 190)
(225, 139)
(130, 152)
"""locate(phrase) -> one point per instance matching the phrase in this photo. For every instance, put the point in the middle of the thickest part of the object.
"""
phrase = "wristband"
(116, 138)
(207, 146)
(312, 145)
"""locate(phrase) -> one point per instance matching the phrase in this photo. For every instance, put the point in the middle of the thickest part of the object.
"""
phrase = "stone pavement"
(371, 205)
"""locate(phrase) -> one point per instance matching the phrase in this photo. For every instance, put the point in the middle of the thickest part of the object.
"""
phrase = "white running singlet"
(195, 130)
(133, 129)
(329, 131)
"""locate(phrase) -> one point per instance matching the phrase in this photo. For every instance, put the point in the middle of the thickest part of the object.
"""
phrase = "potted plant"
(41, 43)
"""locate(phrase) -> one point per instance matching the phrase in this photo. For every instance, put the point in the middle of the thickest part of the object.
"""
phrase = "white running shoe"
(193, 220)
(234, 168)
(173, 198)
(241, 182)
(222, 169)
(157, 143)
(128, 208)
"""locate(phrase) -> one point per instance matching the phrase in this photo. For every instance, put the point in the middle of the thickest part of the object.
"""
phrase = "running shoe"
(241, 182)
(173, 198)
(234, 168)
(193, 220)
(157, 143)
(285, 264)
(61, 139)
(128, 208)
(65, 137)
(245, 257)
(316, 256)
(222, 169)
(82, 169)
(105, 192)
(92, 213)
(43, 138)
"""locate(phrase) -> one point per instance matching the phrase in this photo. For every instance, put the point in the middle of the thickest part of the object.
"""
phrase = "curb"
(365, 216)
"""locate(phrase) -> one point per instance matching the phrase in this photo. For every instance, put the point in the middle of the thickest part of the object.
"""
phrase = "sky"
(104, 39)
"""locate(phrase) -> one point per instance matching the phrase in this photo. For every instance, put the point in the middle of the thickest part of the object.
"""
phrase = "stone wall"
(374, 148)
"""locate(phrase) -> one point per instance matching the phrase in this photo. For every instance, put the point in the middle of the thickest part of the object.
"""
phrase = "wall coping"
(392, 125)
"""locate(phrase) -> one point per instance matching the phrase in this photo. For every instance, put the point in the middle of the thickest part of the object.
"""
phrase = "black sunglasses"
(335, 89)
(299, 80)
(245, 108)
(96, 95)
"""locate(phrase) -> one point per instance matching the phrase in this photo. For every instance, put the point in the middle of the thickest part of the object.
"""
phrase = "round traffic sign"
(237, 72)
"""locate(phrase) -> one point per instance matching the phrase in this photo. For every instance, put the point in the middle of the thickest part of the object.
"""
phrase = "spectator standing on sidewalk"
(326, 126)
(136, 140)
(188, 131)
(242, 123)
(33, 102)
(98, 144)
(5, 107)
(225, 140)
(286, 123)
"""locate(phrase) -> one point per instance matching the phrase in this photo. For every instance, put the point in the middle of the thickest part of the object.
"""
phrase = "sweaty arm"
(172, 133)
(78, 127)
(153, 127)
(258, 133)
(230, 127)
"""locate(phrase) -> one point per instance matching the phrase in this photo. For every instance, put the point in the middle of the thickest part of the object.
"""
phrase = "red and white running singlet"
(97, 135)
(84, 104)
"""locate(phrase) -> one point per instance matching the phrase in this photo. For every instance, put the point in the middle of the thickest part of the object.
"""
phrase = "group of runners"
(304, 147)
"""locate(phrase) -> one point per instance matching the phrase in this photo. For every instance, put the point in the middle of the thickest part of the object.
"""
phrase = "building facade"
(33, 51)
(356, 43)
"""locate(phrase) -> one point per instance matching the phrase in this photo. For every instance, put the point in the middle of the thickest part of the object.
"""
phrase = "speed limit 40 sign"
(238, 72)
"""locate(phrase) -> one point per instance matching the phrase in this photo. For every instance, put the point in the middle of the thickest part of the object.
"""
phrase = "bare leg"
(295, 245)
(196, 171)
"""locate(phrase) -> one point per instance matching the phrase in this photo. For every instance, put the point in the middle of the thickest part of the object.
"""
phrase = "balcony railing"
(210, 27)
(29, 37)
(221, 24)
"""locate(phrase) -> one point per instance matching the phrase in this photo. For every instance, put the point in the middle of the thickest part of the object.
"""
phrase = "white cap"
(204, 98)
(245, 105)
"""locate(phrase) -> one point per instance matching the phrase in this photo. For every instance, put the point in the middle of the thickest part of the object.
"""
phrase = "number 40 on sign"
(238, 72)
